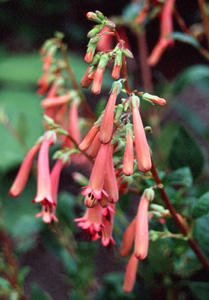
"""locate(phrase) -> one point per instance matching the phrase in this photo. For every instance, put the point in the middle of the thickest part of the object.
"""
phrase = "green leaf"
(185, 152)
(185, 38)
(201, 206)
(182, 176)
(201, 234)
(192, 75)
(38, 294)
(199, 289)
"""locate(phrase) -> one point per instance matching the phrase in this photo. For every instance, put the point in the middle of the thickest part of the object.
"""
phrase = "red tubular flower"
(94, 148)
(142, 234)
(23, 173)
(44, 193)
(128, 159)
(105, 43)
(92, 220)
(97, 82)
(110, 182)
(130, 275)
(96, 181)
(86, 81)
(48, 211)
(141, 145)
(107, 222)
(88, 57)
(128, 239)
(106, 127)
(43, 84)
(55, 101)
(86, 143)
(166, 29)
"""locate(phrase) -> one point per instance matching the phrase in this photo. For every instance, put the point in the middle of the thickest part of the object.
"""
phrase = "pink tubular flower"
(105, 43)
(43, 84)
(55, 101)
(48, 211)
(92, 220)
(86, 81)
(108, 221)
(23, 173)
(154, 99)
(141, 145)
(106, 127)
(142, 234)
(97, 82)
(166, 29)
(128, 159)
(130, 275)
(86, 143)
(94, 148)
(110, 182)
(44, 193)
(128, 239)
(96, 181)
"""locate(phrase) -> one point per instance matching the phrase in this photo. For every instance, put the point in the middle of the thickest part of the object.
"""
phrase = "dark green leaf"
(201, 234)
(38, 294)
(182, 176)
(185, 38)
(199, 289)
(192, 75)
(201, 206)
(185, 152)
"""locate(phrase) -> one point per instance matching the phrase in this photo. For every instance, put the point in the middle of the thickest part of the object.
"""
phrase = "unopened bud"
(119, 112)
(153, 99)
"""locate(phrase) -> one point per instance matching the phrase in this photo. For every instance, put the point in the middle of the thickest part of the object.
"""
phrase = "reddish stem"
(203, 10)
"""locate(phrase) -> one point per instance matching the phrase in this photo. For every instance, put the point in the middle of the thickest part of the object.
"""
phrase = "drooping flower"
(142, 235)
(128, 159)
(85, 144)
(130, 274)
(48, 211)
(23, 173)
(96, 181)
(44, 192)
(110, 182)
(166, 28)
(141, 146)
(107, 221)
(128, 239)
(55, 101)
(97, 82)
(106, 127)
(86, 81)
(92, 220)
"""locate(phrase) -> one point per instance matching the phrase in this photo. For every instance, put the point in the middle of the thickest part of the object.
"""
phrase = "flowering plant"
(113, 150)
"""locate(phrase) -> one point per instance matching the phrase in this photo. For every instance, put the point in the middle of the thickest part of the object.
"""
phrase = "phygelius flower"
(106, 127)
(128, 159)
(95, 188)
(130, 274)
(141, 146)
(142, 232)
(23, 173)
(97, 82)
(91, 221)
(166, 28)
(48, 211)
(55, 101)
(86, 143)
(128, 239)
(107, 221)
(110, 182)
(44, 192)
